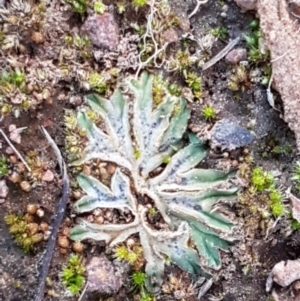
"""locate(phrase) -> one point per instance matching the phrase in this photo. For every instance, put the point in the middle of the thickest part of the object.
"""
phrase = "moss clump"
(99, 7)
(132, 256)
(260, 201)
(97, 82)
(276, 205)
(22, 231)
(139, 3)
(194, 82)
(139, 281)
(208, 113)
(3, 166)
(72, 275)
(261, 180)
(79, 6)
(158, 89)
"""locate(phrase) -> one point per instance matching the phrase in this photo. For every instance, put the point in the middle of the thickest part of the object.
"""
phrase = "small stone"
(102, 30)
(170, 35)
(236, 55)
(2, 201)
(99, 220)
(44, 226)
(48, 176)
(227, 135)
(9, 150)
(32, 208)
(247, 4)
(37, 37)
(63, 242)
(295, 206)
(102, 277)
(77, 194)
(25, 186)
(3, 189)
(78, 247)
(286, 272)
(13, 159)
(75, 100)
(15, 177)
(40, 212)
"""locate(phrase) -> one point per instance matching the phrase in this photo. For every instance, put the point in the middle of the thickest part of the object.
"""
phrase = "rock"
(170, 35)
(102, 276)
(247, 4)
(3, 189)
(227, 135)
(102, 30)
(48, 176)
(236, 55)
(281, 36)
(295, 206)
(286, 272)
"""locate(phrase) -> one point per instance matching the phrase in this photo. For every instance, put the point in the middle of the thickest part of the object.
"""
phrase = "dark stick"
(57, 221)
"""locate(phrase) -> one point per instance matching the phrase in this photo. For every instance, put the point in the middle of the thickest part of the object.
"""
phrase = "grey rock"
(247, 4)
(228, 135)
(236, 55)
(102, 30)
(102, 277)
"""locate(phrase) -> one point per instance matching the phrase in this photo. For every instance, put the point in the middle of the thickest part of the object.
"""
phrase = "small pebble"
(9, 151)
(77, 194)
(63, 242)
(13, 159)
(48, 176)
(99, 220)
(234, 163)
(32, 208)
(78, 247)
(44, 226)
(236, 55)
(3, 189)
(15, 177)
(25, 186)
(130, 242)
(37, 37)
(40, 212)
